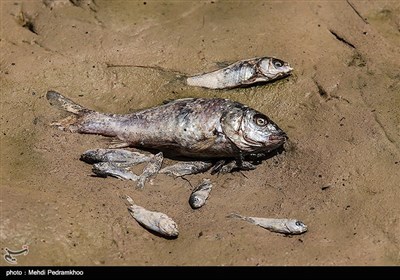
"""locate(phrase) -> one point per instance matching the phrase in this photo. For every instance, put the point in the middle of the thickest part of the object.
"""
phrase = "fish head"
(196, 201)
(296, 226)
(168, 227)
(274, 68)
(252, 131)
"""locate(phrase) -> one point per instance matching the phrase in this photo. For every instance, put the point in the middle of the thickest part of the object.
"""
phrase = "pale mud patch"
(339, 174)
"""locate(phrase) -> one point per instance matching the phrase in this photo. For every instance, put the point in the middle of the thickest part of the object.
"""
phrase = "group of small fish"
(165, 226)
(220, 134)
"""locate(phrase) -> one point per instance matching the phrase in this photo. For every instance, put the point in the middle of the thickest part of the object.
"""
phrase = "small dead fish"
(186, 168)
(104, 169)
(285, 226)
(190, 127)
(242, 73)
(155, 221)
(222, 167)
(150, 170)
(121, 156)
(200, 194)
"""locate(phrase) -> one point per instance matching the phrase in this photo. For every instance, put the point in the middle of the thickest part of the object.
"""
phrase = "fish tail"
(84, 120)
(61, 102)
(70, 123)
(128, 200)
(235, 215)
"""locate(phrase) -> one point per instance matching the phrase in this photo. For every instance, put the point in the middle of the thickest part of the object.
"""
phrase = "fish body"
(123, 157)
(186, 168)
(200, 194)
(242, 73)
(150, 170)
(104, 169)
(119, 167)
(284, 226)
(191, 127)
(230, 166)
(155, 221)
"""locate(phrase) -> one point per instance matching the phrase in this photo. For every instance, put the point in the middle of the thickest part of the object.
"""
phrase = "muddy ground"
(340, 172)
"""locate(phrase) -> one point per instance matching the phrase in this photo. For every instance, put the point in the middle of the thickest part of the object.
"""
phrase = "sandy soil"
(340, 173)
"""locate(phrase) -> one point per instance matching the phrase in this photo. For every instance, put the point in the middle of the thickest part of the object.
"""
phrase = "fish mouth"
(288, 69)
(278, 138)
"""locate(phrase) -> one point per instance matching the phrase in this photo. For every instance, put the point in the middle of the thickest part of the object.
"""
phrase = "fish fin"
(218, 166)
(205, 144)
(116, 143)
(235, 215)
(61, 102)
(67, 123)
(168, 101)
(205, 185)
(224, 64)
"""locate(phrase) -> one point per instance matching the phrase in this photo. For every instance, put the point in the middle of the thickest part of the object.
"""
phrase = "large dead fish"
(242, 73)
(285, 226)
(191, 127)
(155, 221)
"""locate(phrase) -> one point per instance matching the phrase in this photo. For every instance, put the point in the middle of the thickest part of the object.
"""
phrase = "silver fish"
(186, 168)
(200, 194)
(104, 169)
(155, 221)
(191, 127)
(285, 226)
(124, 157)
(150, 170)
(223, 167)
(242, 73)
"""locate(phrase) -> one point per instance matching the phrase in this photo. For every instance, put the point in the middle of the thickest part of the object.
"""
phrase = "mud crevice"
(358, 14)
(341, 39)
(388, 137)
(26, 21)
(326, 96)
(91, 4)
(385, 133)
(40, 45)
(321, 91)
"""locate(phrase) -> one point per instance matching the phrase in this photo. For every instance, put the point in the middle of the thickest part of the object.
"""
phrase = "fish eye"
(278, 63)
(260, 120)
(299, 224)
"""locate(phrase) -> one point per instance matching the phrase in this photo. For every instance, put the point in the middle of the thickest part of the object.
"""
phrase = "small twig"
(157, 68)
(185, 179)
